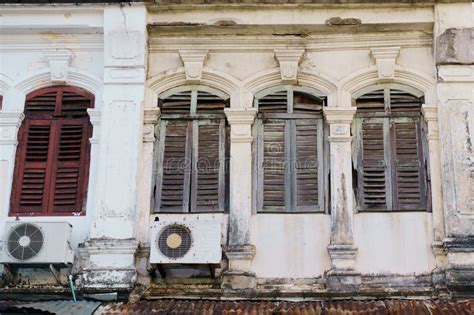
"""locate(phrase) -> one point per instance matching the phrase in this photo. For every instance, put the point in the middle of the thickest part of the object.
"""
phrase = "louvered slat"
(274, 103)
(44, 103)
(38, 143)
(176, 165)
(374, 190)
(306, 164)
(74, 104)
(274, 165)
(371, 102)
(207, 102)
(409, 181)
(177, 103)
(305, 103)
(206, 180)
(401, 101)
(32, 195)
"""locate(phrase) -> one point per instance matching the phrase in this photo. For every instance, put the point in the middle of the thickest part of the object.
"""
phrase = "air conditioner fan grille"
(174, 241)
(25, 241)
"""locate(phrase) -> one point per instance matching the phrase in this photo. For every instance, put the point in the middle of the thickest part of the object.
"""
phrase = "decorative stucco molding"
(289, 60)
(150, 119)
(241, 121)
(193, 63)
(9, 124)
(172, 78)
(59, 61)
(385, 58)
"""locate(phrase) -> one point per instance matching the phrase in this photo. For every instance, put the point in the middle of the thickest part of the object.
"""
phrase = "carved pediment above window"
(385, 60)
(59, 61)
(193, 61)
(289, 60)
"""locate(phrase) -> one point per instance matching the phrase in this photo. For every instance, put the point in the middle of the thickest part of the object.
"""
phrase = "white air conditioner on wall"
(186, 239)
(37, 243)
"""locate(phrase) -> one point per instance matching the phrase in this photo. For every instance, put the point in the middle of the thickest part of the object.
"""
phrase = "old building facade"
(332, 142)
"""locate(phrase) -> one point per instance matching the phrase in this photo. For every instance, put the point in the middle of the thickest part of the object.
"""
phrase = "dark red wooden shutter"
(52, 163)
(70, 171)
(30, 194)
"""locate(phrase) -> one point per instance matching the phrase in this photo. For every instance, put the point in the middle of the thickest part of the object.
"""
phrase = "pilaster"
(109, 254)
(454, 27)
(239, 251)
(341, 276)
(10, 123)
(430, 114)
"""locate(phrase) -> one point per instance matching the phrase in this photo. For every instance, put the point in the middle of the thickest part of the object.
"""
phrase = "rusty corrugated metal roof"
(342, 307)
(59, 307)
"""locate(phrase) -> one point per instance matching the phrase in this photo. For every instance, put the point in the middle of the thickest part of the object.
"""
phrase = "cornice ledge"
(289, 60)
(151, 116)
(193, 60)
(239, 116)
(385, 59)
(339, 115)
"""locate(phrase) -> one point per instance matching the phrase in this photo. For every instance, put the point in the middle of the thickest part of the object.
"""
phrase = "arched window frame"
(290, 151)
(396, 175)
(197, 124)
(63, 125)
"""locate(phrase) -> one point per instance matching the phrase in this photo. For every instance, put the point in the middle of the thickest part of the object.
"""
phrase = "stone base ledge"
(107, 264)
(238, 281)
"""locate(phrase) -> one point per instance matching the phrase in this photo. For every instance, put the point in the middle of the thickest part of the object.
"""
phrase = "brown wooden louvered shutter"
(191, 150)
(372, 169)
(289, 152)
(52, 163)
(409, 178)
(173, 186)
(273, 157)
(391, 163)
(208, 178)
(308, 143)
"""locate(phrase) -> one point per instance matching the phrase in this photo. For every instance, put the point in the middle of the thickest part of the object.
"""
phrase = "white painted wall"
(398, 243)
(290, 245)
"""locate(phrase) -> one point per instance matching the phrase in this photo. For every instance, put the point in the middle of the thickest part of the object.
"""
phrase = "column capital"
(430, 112)
(151, 116)
(339, 115)
(237, 116)
(95, 116)
(9, 124)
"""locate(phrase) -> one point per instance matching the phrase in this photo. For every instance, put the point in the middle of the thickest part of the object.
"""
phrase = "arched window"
(192, 149)
(289, 150)
(389, 150)
(52, 159)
